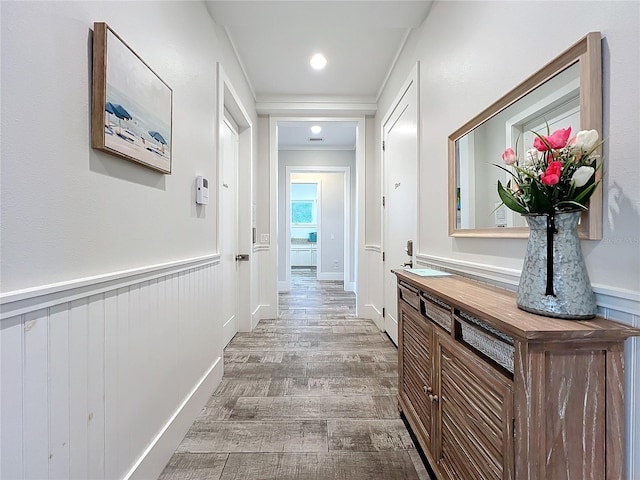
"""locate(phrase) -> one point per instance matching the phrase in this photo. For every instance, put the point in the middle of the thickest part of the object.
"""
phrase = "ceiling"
(274, 41)
(334, 135)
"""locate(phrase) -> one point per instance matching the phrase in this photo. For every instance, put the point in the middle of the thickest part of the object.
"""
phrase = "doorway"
(306, 161)
(234, 200)
(328, 238)
(304, 224)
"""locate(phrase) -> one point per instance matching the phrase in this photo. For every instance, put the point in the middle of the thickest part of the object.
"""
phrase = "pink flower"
(509, 156)
(557, 139)
(551, 176)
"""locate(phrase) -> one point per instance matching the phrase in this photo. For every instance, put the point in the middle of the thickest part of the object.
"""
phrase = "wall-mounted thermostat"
(202, 191)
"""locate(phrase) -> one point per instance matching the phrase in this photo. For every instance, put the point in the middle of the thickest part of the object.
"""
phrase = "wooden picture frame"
(132, 107)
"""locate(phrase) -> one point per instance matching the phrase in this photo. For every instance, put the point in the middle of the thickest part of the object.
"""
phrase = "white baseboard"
(262, 312)
(391, 328)
(330, 276)
(371, 312)
(157, 455)
(229, 329)
(283, 286)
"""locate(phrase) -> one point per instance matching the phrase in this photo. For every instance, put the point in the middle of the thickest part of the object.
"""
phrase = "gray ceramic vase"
(554, 280)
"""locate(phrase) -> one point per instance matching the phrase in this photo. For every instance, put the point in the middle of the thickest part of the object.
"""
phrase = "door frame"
(227, 99)
(412, 78)
(347, 239)
(358, 205)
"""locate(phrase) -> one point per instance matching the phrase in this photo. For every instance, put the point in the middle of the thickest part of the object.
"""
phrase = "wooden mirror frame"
(588, 52)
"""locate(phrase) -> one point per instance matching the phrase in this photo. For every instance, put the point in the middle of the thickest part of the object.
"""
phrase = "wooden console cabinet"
(493, 392)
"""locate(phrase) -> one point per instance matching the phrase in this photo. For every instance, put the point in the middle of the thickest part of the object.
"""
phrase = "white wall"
(466, 64)
(332, 203)
(109, 270)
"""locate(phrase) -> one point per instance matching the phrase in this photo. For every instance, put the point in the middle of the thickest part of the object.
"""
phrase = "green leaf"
(541, 201)
(586, 193)
(510, 200)
(505, 169)
(571, 203)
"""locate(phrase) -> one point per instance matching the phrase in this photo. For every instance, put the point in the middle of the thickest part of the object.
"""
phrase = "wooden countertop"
(498, 307)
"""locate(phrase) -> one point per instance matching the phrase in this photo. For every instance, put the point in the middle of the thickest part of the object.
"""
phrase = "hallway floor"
(310, 396)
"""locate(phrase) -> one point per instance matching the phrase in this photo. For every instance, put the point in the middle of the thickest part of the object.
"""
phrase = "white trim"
(261, 247)
(371, 311)
(373, 248)
(614, 298)
(502, 275)
(350, 287)
(283, 286)
(315, 108)
(393, 63)
(153, 460)
(229, 104)
(19, 302)
(239, 60)
(330, 276)
(262, 311)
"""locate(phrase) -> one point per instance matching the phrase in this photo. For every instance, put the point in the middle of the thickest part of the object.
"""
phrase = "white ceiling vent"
(316, 139)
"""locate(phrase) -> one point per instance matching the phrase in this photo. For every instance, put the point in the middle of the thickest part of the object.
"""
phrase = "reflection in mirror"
(566, 92)
(556, 103)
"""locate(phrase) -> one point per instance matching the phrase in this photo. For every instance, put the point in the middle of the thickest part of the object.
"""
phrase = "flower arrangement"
(556, 175)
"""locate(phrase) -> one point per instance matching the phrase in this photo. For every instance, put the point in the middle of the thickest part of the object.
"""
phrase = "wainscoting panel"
(91, 386)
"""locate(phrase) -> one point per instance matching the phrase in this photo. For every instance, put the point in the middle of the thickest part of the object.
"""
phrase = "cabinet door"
(474, 415)
(416, 380)
(300, 257)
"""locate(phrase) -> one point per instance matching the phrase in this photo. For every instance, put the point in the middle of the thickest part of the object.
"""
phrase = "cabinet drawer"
(437, 311)
(409, 295)
(487, 340)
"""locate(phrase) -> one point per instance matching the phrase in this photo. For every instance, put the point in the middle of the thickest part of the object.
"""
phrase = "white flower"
(586, 139)
(582, 175)
(531, 157)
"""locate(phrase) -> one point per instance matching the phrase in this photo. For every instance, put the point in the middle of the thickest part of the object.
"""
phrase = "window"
(303, 212)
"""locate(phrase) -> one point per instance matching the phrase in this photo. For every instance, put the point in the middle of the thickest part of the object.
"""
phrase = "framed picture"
(131, 106)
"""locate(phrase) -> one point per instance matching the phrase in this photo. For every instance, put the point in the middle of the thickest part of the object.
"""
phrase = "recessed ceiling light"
(318, 61)
(316, 129)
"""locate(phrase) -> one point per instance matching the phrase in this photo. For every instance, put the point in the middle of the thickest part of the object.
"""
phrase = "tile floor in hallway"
(310, 396)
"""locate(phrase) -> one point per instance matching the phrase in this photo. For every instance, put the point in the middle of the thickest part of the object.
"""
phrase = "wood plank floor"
(310, 395)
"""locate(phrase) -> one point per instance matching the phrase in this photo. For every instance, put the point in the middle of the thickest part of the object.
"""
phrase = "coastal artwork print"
(132, 106)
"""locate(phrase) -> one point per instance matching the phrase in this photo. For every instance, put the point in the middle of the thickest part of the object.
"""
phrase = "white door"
(400, 187)
(229, 228)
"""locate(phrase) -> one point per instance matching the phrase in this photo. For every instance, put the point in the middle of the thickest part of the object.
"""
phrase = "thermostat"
(202, 191)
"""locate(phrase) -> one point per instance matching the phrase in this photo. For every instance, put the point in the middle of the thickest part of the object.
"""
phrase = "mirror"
(565, 92)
